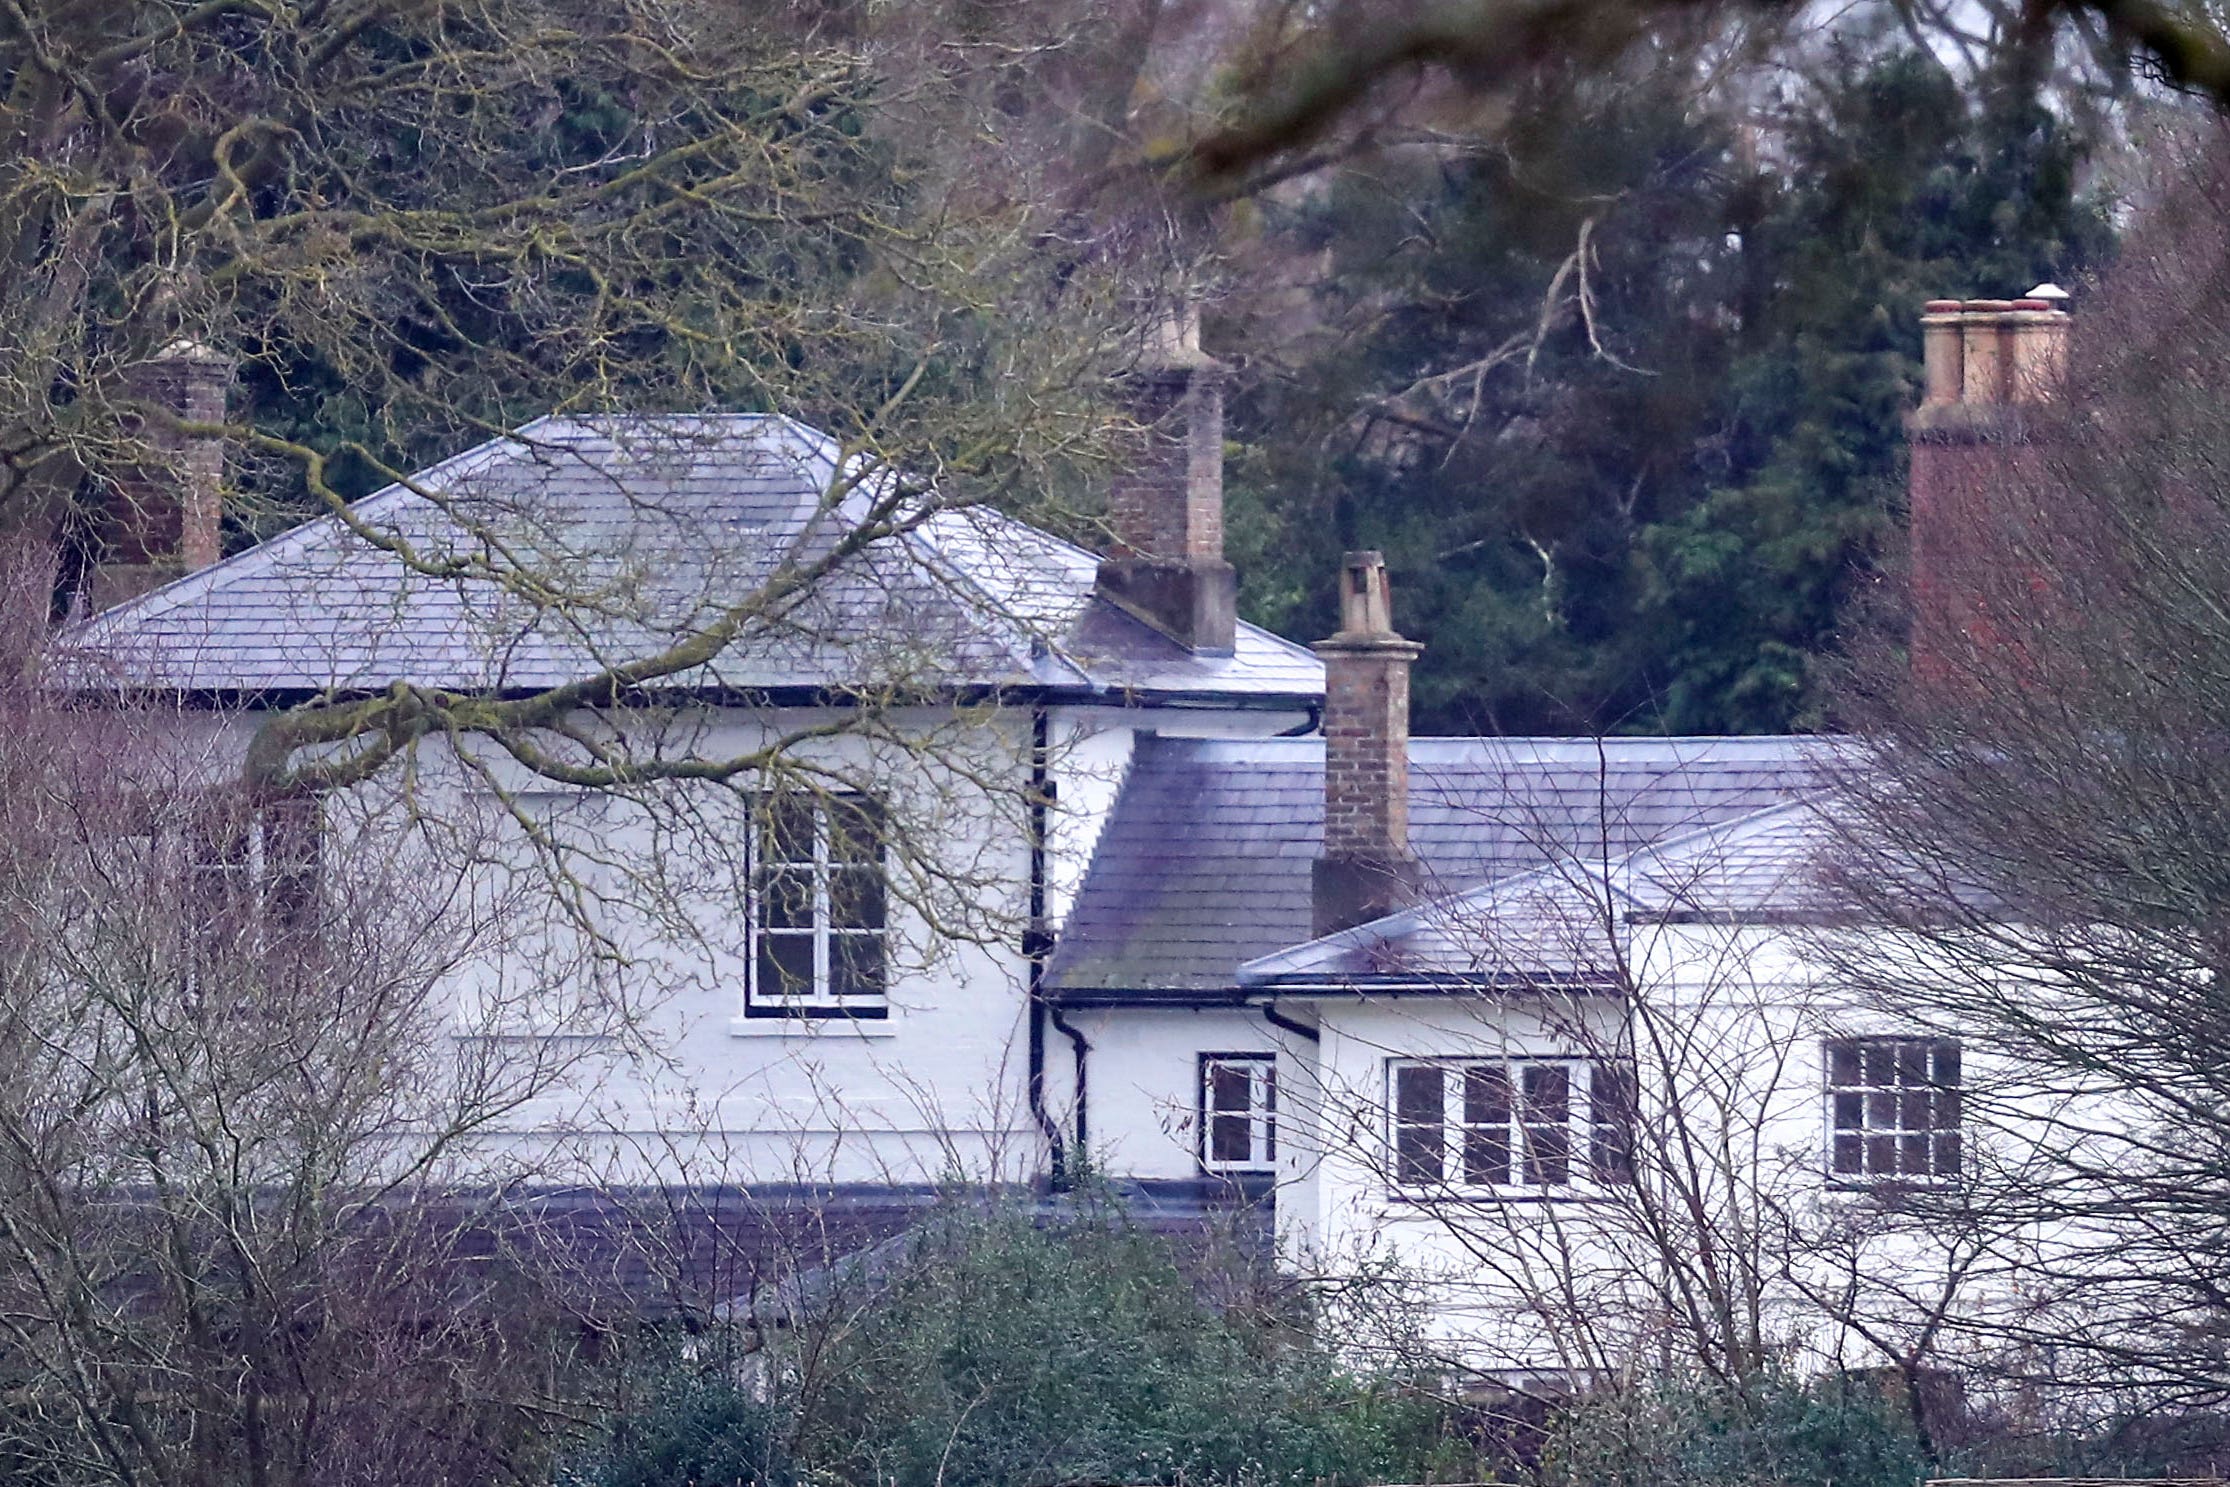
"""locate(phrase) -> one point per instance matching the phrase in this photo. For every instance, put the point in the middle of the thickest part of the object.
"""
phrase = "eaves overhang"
(274, 699)
(1337, 988)
(1428, 984)
(1176, 998)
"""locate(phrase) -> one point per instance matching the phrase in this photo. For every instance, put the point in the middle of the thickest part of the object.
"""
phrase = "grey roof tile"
(1204, 863)
(649, 527)
(1557, 922)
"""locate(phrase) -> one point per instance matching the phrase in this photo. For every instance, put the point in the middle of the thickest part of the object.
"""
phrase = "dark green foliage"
(691, 1431)
(1007, 1346)
(1653, 528)
(1003, 1345)
(1772, 1432)
(1007, 1350)
(471, 348)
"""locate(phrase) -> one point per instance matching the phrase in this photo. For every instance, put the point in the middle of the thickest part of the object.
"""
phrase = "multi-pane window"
(1512, 1124)
(817, 910)
(1238, 1112)
(251, 874)
(1893, 1109)
(1613, 1112)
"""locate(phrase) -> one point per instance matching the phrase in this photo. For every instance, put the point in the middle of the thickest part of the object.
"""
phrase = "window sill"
(1411, 1201)
(1891, 1187)
(885, 1026)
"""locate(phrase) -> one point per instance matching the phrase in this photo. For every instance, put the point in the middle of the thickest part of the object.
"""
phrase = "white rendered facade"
(938, 1026)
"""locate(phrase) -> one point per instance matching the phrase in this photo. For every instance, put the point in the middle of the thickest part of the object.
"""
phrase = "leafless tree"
(246, 1157)
(1321, 82)
(1610, 1162)
(410, 228)
(406, 230)
(2040, 820)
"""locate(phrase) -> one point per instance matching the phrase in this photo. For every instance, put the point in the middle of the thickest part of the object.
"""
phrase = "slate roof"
(1204, 864)
(709, 1251)
(1555, 924)
(1212, 1225)
(650, 526)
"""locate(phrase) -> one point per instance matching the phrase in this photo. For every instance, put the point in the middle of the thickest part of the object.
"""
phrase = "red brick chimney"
(1987, 362)
(1365, 869)
(160, 521)
(1165, 504)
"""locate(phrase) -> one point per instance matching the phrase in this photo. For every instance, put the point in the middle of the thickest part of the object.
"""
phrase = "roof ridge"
(1782, 743)
(239, 624)
(527, 435)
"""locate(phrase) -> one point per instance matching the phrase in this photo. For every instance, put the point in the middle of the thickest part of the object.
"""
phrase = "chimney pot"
(1984, 358)
(1982, 352)
(2036, 336)
(1165, 505)
(1365, 869)
(1366, 598)
(1174, 342)
(1943, 356)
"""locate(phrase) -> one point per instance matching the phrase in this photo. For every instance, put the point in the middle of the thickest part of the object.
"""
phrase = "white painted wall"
(1144, 1082)
(689, 1091)
(652, 1072)
(1735, 1027)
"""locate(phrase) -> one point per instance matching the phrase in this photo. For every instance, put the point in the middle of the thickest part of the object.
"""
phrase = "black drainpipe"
(1079, 1050)
(1037, 948)
(1275, 1018)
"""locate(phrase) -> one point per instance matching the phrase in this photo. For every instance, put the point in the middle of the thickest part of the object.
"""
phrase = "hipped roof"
(644, 528)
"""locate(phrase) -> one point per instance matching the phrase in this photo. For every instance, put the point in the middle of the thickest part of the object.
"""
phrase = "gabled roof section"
(650, 527)
(1205, 863)
(1567, 922)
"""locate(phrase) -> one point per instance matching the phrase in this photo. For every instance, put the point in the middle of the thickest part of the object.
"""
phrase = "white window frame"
(1260, 1114)
(1596, 1152)
(1871, 1140)
(818, 1000)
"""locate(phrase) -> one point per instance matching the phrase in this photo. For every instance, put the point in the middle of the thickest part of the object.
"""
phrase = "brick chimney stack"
(1365, 869)
(1165, 504)
(161, 522)
(1986, 361)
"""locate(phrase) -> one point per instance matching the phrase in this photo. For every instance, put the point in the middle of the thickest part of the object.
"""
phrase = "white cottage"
(1023, 856)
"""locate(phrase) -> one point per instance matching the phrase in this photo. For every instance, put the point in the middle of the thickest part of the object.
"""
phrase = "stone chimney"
(160, 521)
(1986, 362)
(1165, 504)
(1365, 869)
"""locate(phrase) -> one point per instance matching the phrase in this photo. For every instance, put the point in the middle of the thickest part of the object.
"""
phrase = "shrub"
(1010, 1348)
(695, 1431)
(1015, 1345)
(1828, 1432)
